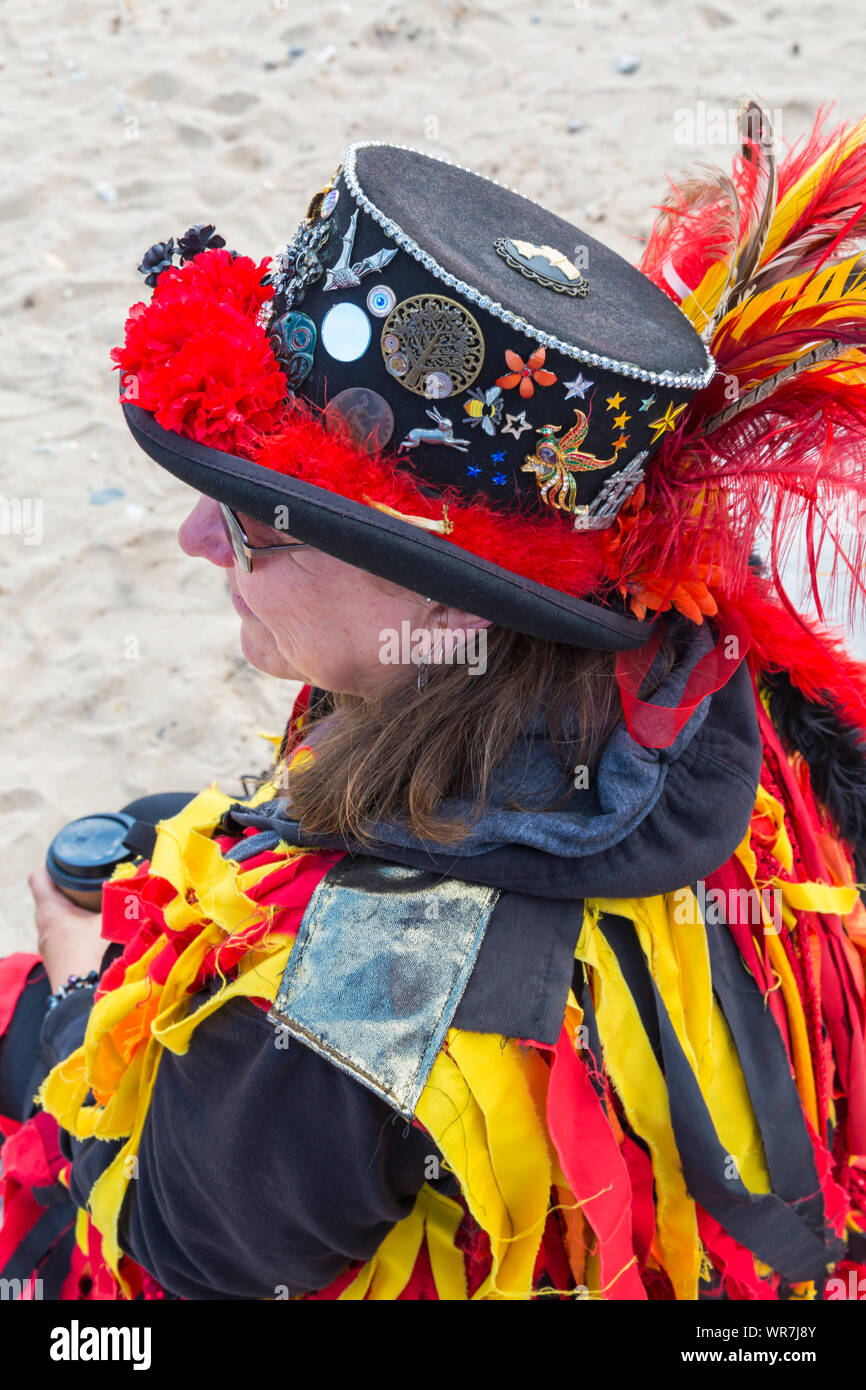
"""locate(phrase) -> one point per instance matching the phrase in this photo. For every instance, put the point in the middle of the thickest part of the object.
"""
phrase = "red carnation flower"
(155, 333)
(221, 391)
(204, 368)
(219, 276)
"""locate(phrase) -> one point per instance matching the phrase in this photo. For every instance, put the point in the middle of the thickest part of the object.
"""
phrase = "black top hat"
(450, 343)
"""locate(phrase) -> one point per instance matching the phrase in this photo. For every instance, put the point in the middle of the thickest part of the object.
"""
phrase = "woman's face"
(307, 616)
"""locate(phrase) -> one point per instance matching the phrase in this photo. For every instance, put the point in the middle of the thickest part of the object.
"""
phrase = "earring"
(424, 667)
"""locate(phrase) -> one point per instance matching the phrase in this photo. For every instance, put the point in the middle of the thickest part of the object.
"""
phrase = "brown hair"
(401, 754)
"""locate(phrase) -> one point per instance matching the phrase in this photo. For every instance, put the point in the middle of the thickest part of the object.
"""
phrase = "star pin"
(615, 402)
(620, 443)
(497, 458)
(666, 422)
(516, 424)
(645, 404)
(619, 422)
(578, 387)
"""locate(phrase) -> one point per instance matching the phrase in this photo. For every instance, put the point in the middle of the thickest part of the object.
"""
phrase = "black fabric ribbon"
(785, 1228)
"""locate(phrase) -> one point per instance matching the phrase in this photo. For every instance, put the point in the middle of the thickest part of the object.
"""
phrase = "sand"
(122, 124)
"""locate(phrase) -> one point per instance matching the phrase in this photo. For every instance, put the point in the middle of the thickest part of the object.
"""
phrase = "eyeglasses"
(244, 552)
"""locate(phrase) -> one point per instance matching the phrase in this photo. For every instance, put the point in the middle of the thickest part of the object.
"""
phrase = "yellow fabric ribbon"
(384, 1277)
(640, 1083)
(840, 899)
(478, 1107)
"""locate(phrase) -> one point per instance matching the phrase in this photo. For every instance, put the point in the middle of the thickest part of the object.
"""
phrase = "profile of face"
(307, 616)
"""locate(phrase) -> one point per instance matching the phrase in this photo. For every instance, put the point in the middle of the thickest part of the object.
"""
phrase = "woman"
(534, 965)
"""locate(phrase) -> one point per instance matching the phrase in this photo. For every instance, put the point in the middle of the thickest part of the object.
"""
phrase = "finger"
(49, 898)
(39, 881)
(42, 886)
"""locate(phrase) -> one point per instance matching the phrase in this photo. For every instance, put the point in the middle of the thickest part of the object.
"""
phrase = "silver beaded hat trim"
(695, 380)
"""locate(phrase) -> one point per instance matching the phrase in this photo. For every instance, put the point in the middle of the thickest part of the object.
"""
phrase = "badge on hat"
(342, 275)
(293, 341)
(556, 460)
(300, 264)
(600, 513)
(545, 264)
(432, 345)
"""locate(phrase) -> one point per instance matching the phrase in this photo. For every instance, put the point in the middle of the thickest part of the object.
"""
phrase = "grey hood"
(652, 819)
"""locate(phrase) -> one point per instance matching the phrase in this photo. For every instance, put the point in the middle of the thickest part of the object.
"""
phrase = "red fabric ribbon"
(14, 970)
(594, 1168)
(656, 726)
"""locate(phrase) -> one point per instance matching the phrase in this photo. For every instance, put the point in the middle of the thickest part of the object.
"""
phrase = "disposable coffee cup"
(84, 854)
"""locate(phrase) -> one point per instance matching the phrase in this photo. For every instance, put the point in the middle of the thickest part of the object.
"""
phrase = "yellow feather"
(801, 291)
(797, 197)
(699, 306)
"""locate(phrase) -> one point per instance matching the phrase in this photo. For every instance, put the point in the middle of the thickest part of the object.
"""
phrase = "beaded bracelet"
(88, 981)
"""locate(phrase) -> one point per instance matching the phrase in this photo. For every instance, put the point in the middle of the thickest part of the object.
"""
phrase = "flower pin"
(525, 373)
(200, 238)
(156, 259)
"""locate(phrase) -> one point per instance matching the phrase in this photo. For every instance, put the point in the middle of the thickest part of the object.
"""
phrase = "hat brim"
(392, 549)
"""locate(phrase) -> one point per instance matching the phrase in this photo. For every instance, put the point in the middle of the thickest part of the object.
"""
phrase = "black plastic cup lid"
(86, 851)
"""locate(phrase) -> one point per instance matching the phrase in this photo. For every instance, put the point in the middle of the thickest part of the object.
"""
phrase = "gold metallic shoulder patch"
(380, 963)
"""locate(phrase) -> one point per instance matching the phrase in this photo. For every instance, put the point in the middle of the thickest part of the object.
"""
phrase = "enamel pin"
(293, 340)
(556, 460)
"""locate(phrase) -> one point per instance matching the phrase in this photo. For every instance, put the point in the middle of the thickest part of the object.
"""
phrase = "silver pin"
(602, 511)
(341, 275)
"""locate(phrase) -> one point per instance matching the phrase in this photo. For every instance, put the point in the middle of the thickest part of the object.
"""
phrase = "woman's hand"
(68, 935)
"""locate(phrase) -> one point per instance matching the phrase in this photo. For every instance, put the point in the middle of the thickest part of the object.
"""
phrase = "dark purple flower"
(198, 238)
(157, 259)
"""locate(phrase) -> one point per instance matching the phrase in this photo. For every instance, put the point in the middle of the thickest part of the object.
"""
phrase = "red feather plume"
(773, 452)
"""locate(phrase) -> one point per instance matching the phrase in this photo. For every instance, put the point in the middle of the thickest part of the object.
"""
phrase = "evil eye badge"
(381, 300)
(346, 332)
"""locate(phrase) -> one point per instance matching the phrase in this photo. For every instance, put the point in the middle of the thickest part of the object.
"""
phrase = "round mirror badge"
(346, 332)
(432, 345)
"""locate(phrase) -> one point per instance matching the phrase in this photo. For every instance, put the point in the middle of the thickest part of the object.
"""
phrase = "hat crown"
(414, 277)
(451, 220)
